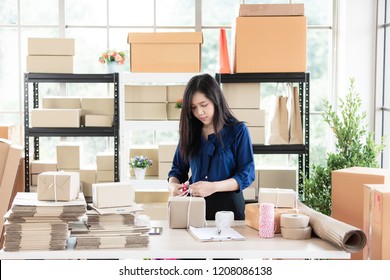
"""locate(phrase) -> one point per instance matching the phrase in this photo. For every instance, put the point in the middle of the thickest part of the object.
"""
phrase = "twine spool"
(266, 220)
(224, 219)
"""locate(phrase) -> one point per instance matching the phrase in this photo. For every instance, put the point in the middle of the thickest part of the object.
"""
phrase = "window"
(101, 24)
(382, 112)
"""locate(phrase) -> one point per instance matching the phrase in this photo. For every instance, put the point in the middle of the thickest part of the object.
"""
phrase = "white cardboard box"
(58, 186)
(281, 198)
(117, 194)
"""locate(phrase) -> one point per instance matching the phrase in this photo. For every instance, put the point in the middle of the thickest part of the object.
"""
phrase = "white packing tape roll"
(224, 219)
(296, 233)
(293, 220)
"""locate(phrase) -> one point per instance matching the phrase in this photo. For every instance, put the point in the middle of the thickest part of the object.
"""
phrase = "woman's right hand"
(175, 189)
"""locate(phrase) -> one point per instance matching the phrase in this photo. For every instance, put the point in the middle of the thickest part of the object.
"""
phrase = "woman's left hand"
(202, 188)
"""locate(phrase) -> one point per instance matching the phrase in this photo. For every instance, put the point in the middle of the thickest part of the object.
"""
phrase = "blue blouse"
(216, 161)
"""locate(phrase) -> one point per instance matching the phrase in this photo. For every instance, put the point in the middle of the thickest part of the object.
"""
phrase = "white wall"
(356, 51)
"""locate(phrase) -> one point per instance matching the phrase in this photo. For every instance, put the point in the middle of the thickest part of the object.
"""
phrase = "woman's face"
(202, 108)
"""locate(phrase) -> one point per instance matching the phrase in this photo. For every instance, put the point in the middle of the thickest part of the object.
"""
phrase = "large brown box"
(39, 166)
(255, 10)
(51, 46)
(270, 44)
(8, 131)
(87, 178)
(376, 225)
(166, 151)
(278, 177)
(105, 161)
(163, 169)
(165, 52)
(50, 64)
(4, 149)
(151, 196)
(98, 120)
(181, 215)
(173, 113)
(348, 194)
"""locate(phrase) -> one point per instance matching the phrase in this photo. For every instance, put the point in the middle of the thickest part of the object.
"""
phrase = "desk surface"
(178, 243)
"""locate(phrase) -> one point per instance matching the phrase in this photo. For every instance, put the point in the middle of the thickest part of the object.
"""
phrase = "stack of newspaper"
(40, 225)
(110, 228)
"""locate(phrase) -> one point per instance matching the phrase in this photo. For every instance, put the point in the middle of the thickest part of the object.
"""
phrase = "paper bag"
(186, 211)
(223, 53)
(295, 129)
(278, 132)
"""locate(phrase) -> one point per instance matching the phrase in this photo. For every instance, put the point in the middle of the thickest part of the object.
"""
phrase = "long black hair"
(190, 126)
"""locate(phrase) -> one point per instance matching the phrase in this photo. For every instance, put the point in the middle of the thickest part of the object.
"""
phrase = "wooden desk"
(178, 243)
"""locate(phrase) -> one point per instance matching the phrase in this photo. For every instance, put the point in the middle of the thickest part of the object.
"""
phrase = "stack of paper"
(40, 225)
(110, 228)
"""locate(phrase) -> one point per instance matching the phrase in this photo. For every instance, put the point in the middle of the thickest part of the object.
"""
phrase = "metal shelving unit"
(303, 80)
(36, 79)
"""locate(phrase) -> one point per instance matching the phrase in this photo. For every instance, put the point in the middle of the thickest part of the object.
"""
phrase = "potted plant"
(139, 165)
(179, 103)
(355, 146)
(113, 59)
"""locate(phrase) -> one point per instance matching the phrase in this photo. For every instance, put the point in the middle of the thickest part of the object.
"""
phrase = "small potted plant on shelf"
(113, 60)
(179, 103)
(139, 165)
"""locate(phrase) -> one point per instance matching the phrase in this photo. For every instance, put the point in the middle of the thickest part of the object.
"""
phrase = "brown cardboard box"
(112, 195)
(281, 198)
(165, 52)
(257, 134)
(104, 176)
(88, 178)
(173, 113)
(255, 10)
(252, 215)
(58, 186)
(147, 151)
(9, 179)
(56, 102)
(39, 166)
(368, 203)
(166, 151)
(98, 120)
(242, 95)
(251, 117)
(4, 149)
(152, 94)
(97, 105)
(145, 111)
(8, 131)
(380, 242)
(50, 64)
(175, 92)
(55, 117)
(249, 193)
(105, 161)
(270, 44)
(163, 169)
(69, 155)
(348, 194)
(51, 46)
(278, 177)
(178, 215)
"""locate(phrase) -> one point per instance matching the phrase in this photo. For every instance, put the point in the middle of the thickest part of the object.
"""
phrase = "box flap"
(165, 37)
(256, 10)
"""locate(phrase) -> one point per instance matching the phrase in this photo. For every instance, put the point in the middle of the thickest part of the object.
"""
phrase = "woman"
(215, 146)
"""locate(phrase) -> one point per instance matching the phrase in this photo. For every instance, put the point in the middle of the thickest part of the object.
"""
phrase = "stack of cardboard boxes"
(105, 167)
(50, 55)
(360, 197)
(270, 38)
(247, 109)
(152, 102)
